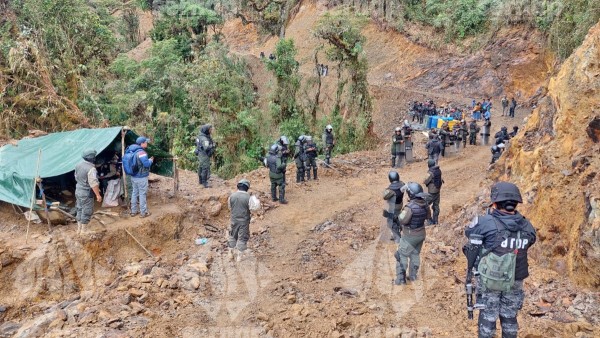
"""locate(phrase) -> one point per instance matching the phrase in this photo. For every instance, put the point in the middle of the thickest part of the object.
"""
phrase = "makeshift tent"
(60, 153)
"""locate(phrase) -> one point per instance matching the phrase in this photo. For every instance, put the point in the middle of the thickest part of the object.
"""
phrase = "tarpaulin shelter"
(60, 153)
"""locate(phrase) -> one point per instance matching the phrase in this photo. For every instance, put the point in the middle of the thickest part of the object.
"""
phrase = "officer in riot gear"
(434, 185)
(393, 195)
(276, 171)
(412, 222)
(284, 146)
(310, 152)
(505, 237)
(397, 147)
(299, 158)
(328, 143)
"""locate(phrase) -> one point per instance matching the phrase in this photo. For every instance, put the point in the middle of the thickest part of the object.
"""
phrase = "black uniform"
(504, 233)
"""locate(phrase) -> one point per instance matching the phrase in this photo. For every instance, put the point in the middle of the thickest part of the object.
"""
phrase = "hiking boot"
(145, 215)
(133, 214)
(283, 201)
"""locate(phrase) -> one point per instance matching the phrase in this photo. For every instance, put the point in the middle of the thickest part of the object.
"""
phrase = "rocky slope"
(555, 162)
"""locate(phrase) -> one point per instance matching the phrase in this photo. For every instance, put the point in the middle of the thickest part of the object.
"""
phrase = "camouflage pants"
(503, 305)
(239, 234)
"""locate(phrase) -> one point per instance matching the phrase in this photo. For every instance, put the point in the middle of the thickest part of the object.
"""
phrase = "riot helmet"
(329, 128)
(406, 123)
(505, 191)
(243, 183)
(89, 155)
(398, 129)
(284, 140)
(430, 163)
(414, 190)
(393, 177)
(301, 138)
(274, 149)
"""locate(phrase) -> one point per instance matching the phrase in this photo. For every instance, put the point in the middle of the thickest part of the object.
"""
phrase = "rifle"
(395, 225)
(471, 251)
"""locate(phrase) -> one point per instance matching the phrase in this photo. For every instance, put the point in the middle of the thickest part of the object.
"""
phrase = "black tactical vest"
(419, 215)
(436, 175)
(272, 164)
(328, 138)
(395, 187)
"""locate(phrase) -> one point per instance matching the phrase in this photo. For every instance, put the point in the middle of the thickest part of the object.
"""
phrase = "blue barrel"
(433, 121)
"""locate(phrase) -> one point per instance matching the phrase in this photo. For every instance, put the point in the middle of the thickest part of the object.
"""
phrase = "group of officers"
(305, 157)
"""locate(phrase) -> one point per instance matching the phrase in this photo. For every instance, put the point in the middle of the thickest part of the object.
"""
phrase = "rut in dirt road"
(363, 271)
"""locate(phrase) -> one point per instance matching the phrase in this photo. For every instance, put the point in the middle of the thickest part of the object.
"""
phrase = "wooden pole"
(175, 177)
(123, 174)
(138, 242)
(39, 184)
(37, 171)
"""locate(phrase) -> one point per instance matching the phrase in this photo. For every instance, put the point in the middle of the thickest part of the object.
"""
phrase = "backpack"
(497, 273)
(130, 162)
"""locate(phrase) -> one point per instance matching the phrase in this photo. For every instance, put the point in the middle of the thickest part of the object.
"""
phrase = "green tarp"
(60, 152)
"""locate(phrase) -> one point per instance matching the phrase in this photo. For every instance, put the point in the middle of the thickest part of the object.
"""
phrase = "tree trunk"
(318, 93)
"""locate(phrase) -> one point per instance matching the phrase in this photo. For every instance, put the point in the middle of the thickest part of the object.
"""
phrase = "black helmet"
(393, 176)
(414, 190)
(505, 191)
(504, 128)
(430, 163)
(274, 149)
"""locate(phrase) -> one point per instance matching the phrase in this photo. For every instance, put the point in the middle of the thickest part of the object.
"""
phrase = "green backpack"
(497, 273)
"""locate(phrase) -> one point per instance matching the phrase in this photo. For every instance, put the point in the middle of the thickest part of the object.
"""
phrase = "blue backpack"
(130, 161)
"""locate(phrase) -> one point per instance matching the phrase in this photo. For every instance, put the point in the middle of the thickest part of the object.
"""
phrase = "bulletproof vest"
(240, 211)
(284, 151)
(81, 174)
(434, 147)
(328, 138)
(272, 163)
(395, 187)
(299, 146)
(436, 175)
(311, 153)
(506, 241)
(202, 138)
(419, 214)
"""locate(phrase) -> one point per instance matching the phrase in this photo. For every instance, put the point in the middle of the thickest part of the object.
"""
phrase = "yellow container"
(450, 123)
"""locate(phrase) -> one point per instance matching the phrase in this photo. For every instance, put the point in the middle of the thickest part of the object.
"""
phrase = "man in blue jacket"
(139, 180)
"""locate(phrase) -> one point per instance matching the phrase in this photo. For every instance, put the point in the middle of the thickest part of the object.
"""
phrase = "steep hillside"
(555, 161)
(401, 70)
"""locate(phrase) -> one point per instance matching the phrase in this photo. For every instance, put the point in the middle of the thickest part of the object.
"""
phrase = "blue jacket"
(144, 162)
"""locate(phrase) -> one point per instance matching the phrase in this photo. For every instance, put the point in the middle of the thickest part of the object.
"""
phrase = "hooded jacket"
(499, 231)
(204, 143)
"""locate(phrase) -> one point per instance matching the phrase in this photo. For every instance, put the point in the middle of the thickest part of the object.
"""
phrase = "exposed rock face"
(556, 163)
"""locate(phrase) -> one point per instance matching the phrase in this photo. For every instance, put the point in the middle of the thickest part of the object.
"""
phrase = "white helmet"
(284, 140)
(329, 127)
(406, 124)
(398, 129)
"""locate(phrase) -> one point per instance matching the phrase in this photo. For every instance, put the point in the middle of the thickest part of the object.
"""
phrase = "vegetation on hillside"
(63, 66)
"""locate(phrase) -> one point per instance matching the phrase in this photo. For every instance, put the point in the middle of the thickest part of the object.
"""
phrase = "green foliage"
(188, 23)
(285, 68)
(342, 31)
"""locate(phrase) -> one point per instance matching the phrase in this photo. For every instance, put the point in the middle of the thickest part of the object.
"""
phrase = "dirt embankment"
(555, 162)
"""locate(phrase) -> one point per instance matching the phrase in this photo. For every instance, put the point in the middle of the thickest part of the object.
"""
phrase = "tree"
(285, 69)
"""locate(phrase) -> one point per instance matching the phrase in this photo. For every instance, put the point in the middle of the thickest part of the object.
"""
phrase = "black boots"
(299, 176)
(400, 278)
(413, 272)
(315, 173)
(282, 199)
(394, 162)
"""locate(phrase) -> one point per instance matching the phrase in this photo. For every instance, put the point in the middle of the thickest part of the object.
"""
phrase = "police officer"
(328, 143)
(434, 185)
(299, 157)
(394, 195)
(276, 170)
(241, 203)
(205, 148)
(310, 151)
(444, 137)
(87, 187)
(463, 132)
(412, 221)
(434, 147)
(397, 141)
(284, 146)
(496, 152)
(473, 130)
(505, 232)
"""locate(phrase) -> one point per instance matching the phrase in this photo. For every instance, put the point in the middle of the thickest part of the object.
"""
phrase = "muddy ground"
(322, 265)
